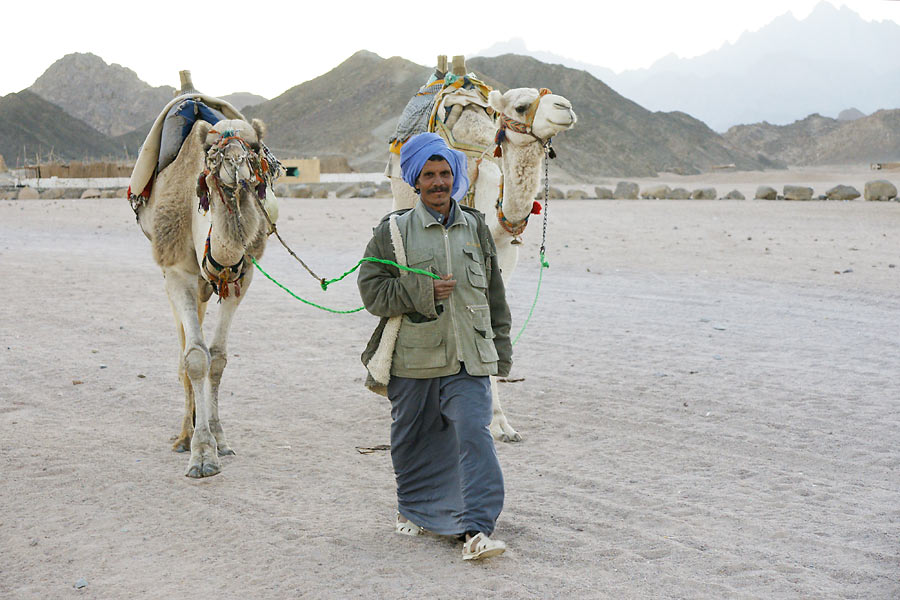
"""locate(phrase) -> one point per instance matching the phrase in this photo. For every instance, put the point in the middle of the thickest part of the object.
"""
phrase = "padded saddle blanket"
(169, 131)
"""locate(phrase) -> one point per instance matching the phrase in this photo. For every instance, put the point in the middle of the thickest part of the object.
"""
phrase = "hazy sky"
(268, 47)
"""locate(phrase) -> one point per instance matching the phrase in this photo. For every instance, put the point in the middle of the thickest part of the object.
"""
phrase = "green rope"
(325, 284)
(383, 261)
(544, 265)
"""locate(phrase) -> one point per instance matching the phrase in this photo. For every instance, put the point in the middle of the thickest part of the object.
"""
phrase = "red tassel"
(498, 152)
(536, 208)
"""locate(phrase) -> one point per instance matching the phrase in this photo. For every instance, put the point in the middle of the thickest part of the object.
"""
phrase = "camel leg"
(183, 442)
(507, 256)
(500, 427)
(218, 352)
(182, 289)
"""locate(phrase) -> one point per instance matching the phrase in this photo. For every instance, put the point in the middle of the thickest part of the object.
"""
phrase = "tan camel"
(202, 252)
(527, 118)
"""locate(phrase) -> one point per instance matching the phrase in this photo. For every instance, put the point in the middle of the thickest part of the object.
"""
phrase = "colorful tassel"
(536, 208)
(203, 191)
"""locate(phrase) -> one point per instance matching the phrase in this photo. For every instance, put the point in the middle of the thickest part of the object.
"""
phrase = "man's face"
(435, 182)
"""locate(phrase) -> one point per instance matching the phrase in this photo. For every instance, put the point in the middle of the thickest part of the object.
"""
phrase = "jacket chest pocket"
(420, 345)
(475, 268)
(420, 258)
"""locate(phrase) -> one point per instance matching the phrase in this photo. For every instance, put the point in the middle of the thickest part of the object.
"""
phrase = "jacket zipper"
(452, 308)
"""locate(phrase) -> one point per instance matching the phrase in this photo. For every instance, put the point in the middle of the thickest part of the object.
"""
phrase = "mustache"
(439, 188)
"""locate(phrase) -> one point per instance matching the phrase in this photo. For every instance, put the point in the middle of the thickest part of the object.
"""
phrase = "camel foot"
(204, 460)
(182, 444)
(503, 432)
(225, 451)
(203, 469)
(510, 437)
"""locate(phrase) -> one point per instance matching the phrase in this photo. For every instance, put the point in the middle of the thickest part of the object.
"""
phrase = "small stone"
(848, 270)
(141, 376)
(81, 583)
(77, 382)
(102, 366)
(890, 266)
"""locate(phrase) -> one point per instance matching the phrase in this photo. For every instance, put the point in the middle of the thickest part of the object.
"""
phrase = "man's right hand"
(443, 287)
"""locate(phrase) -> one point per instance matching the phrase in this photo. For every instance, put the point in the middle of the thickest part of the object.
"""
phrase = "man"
(453, 334)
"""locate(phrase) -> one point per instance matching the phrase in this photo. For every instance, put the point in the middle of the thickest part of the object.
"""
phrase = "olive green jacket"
(471, 326)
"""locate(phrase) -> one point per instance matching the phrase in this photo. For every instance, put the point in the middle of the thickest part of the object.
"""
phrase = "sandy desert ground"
(709, 410)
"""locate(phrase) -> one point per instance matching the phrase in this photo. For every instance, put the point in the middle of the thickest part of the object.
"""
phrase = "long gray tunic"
(448, 477)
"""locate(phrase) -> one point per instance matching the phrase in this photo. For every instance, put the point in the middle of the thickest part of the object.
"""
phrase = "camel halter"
(515, 229)
(260, 166)
(525, 126)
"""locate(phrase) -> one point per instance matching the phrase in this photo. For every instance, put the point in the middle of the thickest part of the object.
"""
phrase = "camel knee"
(217, 364)
(196, 363)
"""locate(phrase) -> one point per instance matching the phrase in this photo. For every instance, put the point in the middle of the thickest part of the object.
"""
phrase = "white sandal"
(481, 546)
(407, 527)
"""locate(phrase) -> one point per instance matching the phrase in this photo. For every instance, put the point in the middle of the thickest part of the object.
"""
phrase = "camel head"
(233, 152)
(532, 113)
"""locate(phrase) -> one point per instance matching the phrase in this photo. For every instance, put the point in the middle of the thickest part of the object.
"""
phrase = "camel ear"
(201, 130)
(497, 101)
(260, 128)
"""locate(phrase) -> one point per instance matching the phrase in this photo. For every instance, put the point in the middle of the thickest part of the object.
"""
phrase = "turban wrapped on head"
(419, 148)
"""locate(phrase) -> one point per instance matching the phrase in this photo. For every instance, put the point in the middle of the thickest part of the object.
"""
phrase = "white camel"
(528, 118)
(203, 232)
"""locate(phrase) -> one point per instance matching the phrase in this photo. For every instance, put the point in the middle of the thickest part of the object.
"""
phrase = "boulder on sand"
(704, 194)
(678, 194)
(603, 193)
(735, 195)
(880, 190)
(765, 192)
(657, 192)
(28, 193)
(626, 190)
(798, 192)
(842, 192)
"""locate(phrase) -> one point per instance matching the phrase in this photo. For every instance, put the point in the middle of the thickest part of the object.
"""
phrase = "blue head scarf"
(419, 148)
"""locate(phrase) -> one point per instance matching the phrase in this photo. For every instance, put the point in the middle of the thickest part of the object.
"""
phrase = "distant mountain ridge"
(340, 113)
(353, 109)
(615, 136)
(350, 110)
(109, 98)
(829, 61)
(31, 127)
(818, 140)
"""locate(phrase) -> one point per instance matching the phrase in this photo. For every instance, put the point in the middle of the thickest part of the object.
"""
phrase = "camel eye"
(522, 109)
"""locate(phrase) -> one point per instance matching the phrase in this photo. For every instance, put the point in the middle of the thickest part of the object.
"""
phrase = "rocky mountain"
(32, 127)
(850, 114)
(615, 136)
(818, 140)
(354, 108)
(241, 100)
(109, 98)
(790, 68)
(350, 110)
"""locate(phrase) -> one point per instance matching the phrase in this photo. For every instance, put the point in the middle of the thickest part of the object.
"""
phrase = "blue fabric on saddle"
(178, 124)
(414, 118)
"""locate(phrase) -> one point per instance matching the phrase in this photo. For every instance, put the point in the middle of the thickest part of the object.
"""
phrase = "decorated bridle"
(515, 229)
(264, 168)
(525, 126)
